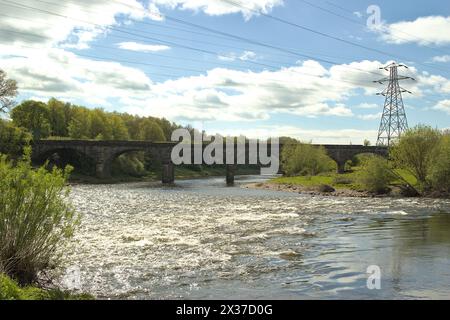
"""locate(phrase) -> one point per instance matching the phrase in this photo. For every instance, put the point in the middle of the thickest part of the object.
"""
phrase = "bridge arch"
(341, 154)
(63, 156)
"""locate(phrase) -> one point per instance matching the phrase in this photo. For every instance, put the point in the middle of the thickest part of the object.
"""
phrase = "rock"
(326, 188)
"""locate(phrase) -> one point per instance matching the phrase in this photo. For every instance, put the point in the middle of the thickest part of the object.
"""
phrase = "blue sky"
(161, 58)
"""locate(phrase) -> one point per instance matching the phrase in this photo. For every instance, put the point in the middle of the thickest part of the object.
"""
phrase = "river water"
(202, 240)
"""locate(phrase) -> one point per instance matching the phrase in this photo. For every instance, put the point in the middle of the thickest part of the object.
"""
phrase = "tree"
(13, 140)
(305, 159)
(415, 150)
(35, 218)
(149, 130)
(440, 170)
(8, 90)
(100, 126)
(119, 129)
(366, 143)
(33, 116)
(376, 175)
(58, 118)
(80, 123)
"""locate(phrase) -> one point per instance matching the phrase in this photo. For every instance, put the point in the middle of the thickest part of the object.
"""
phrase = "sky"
(299, 68)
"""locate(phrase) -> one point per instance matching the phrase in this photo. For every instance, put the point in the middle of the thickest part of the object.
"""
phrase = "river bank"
(310, 190)
(330, 191)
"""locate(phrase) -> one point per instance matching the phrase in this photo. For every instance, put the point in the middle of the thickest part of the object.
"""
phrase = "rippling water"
(201, 240)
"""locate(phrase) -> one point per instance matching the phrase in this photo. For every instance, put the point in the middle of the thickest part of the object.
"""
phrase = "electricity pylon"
(393, 121)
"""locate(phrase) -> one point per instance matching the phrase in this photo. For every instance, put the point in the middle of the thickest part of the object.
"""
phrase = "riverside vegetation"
(419, 164)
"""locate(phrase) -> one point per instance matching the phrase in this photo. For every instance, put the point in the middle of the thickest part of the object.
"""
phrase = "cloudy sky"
(303, 68)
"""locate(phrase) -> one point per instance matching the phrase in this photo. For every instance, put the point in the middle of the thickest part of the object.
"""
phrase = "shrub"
(305, 159)
(13, 139)
(129, 164)
(376, 175)
(10, 290)
(440, 171)
(35, 218)
(415, 152)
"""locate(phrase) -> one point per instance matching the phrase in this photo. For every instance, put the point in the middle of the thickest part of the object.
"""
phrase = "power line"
(296, 25)
(364, 25)
(172, 43)
(398, 30)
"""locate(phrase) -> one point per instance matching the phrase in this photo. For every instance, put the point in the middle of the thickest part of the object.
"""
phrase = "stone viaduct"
(103, 153)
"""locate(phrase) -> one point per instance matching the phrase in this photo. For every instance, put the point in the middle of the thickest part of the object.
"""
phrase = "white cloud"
(423, 30)
(369, 117)
(327, 136)
(368, 106)
(247, 8)
(444, 59)
(443, 105)
(134, 46)
(358, 14)
(245, 56)
(47, 20)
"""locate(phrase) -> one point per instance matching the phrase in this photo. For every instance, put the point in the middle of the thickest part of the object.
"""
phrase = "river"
(202, 240)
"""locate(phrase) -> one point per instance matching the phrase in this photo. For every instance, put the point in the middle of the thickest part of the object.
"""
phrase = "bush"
(129, 164)
(440, 171)
(35, 218)
(10, 290)
(376, 175)
(415, 152)
(305, 159)
(13, 139)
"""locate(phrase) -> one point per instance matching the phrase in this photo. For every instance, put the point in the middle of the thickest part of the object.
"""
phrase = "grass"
(347, 180)
(10, 290)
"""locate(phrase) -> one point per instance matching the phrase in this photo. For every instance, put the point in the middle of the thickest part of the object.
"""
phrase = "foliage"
(440, 168)
(10, 290)
(415, 152)
(33, 116)
(8, 90)
(12, 139)
(151, 131)
(130, 164)
(376, 175)
(305, 159)
(35, 218)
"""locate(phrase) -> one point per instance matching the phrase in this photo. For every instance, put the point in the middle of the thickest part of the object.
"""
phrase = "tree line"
(58, 119)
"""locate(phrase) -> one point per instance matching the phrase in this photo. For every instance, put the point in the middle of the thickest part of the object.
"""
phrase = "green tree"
(100, 126)
(376, 175)
(415, 150)
(13, 140)
(33, 116)
(80, 123)
(8, 90)
(58, 118)
(440, 169)
(119, 129)
(35, 219)
(149, 130)
(305, 159)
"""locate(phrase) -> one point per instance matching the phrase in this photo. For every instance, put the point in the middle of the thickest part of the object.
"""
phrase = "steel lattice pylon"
(393, 121)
